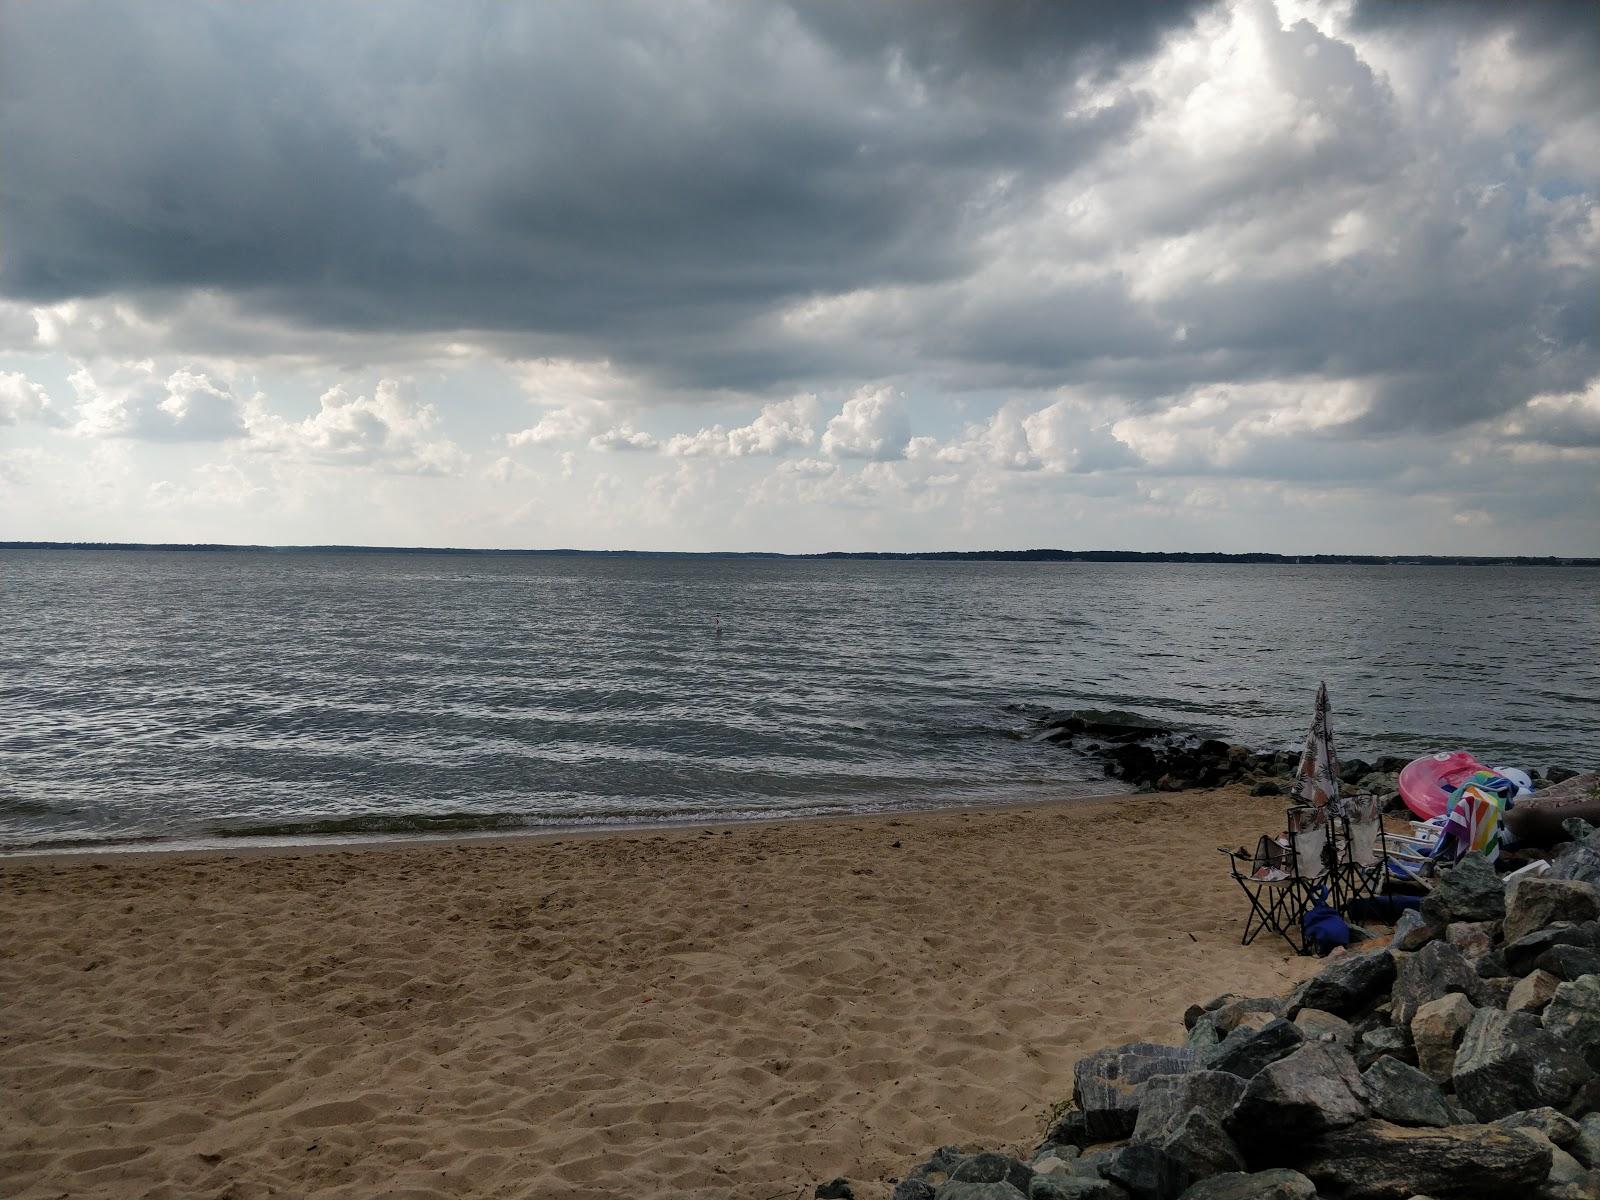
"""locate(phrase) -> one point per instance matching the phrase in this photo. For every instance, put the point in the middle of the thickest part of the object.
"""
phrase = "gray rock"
(978, 1191)
(1203, 1035)
(1436, 1032)
(1388, 1041)
(1064, 1152)
(1148, 1172)
(1106, 1085)
(1468, 891)
(1491, 966)
(1412, 931)
(1586, 1147)
(1227, 1016)
(835, 1189)
(1073, 1187)
(1070, 1129)
(1508, 1063)
(1567, 1178)
(1475, 940)
(912, 1189)
(1245, 1051)
(1561, 1130)
(1434, 971)
(1569, 962)
(1275, 1184)
(1319, 1026)
(1576, 860)
(989, 1167)
(1496, 993)
(1182, 1116)
(1346, 986)
(1573, 1016)
(1524, 952)
(1535, 902)
(1195, 1011)
(1377, 1160)
(1533, 991)
(1405, 1095)
(941, 1162)
(1314, 1089)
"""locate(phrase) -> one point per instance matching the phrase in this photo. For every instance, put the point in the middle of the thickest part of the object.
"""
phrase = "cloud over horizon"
(1238, 275)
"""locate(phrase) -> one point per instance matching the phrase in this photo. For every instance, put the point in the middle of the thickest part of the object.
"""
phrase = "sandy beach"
(733, 1012)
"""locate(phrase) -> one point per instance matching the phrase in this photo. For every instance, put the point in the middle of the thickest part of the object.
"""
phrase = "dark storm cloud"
(656, 184)
(655, 170)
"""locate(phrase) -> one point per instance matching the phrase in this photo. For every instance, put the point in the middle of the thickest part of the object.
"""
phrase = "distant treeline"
(1091, 556)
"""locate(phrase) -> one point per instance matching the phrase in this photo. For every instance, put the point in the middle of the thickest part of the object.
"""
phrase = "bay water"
(182, 697)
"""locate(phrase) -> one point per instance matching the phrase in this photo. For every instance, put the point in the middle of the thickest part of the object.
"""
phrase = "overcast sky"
(1293, 276)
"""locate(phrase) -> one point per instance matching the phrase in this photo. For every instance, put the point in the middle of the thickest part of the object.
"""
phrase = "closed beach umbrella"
(1316, 780)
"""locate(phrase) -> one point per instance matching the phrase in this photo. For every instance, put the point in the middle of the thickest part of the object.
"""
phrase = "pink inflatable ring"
(1426, 783)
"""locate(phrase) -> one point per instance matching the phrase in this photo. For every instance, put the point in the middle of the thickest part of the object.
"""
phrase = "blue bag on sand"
(1322, 927)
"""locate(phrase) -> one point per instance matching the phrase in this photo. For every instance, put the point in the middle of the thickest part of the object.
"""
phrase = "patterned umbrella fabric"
(1316, 780)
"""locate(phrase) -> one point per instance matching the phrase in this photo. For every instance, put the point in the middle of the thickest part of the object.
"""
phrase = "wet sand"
(740, 1011)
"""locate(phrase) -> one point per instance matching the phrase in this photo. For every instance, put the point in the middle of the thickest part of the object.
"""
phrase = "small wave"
(377, 823)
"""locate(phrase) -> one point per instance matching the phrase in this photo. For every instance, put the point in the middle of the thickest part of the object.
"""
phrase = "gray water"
(179, 696)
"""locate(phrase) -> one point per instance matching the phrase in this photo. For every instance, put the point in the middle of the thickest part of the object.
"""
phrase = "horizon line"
(1038, 554)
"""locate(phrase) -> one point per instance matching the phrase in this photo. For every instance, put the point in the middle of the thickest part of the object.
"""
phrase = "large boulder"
(1576, 860)
(992, 1168)
(1436, 1030)
(1404, 1095)
(1573, 1016)
(978, 1191)
(1412, 931)
(1507, 1063)
(1182, 1116)
(1245, 1051)
(1279, 1183)
(912, 1189)
(1107, 1085)
(1319, 1026)
(1468, 891)
(1377, 1160)
(1568, 962)
(1436, 970)
(1147, 1172)
(1537, 901)
(1522, 954)
(1586, 1147)
(1561, 1129)
(1314, 1089)
(1533, 991)
(1346, 987)
(1388, 1041)
(1074, 1187)
(1228, 1015)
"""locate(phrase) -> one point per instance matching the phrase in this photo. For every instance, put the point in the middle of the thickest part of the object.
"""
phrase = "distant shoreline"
(1041, 555)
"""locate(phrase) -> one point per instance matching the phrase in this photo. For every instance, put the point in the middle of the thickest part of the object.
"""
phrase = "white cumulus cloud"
(873, 424)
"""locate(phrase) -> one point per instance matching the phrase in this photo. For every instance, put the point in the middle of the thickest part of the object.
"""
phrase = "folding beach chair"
(1362, 862)
(1285, 876)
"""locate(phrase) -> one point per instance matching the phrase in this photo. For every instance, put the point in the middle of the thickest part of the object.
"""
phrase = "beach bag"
(1323, 928)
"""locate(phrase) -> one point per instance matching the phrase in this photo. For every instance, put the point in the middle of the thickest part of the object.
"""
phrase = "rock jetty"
(1459, 1062)
(1153, 758)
